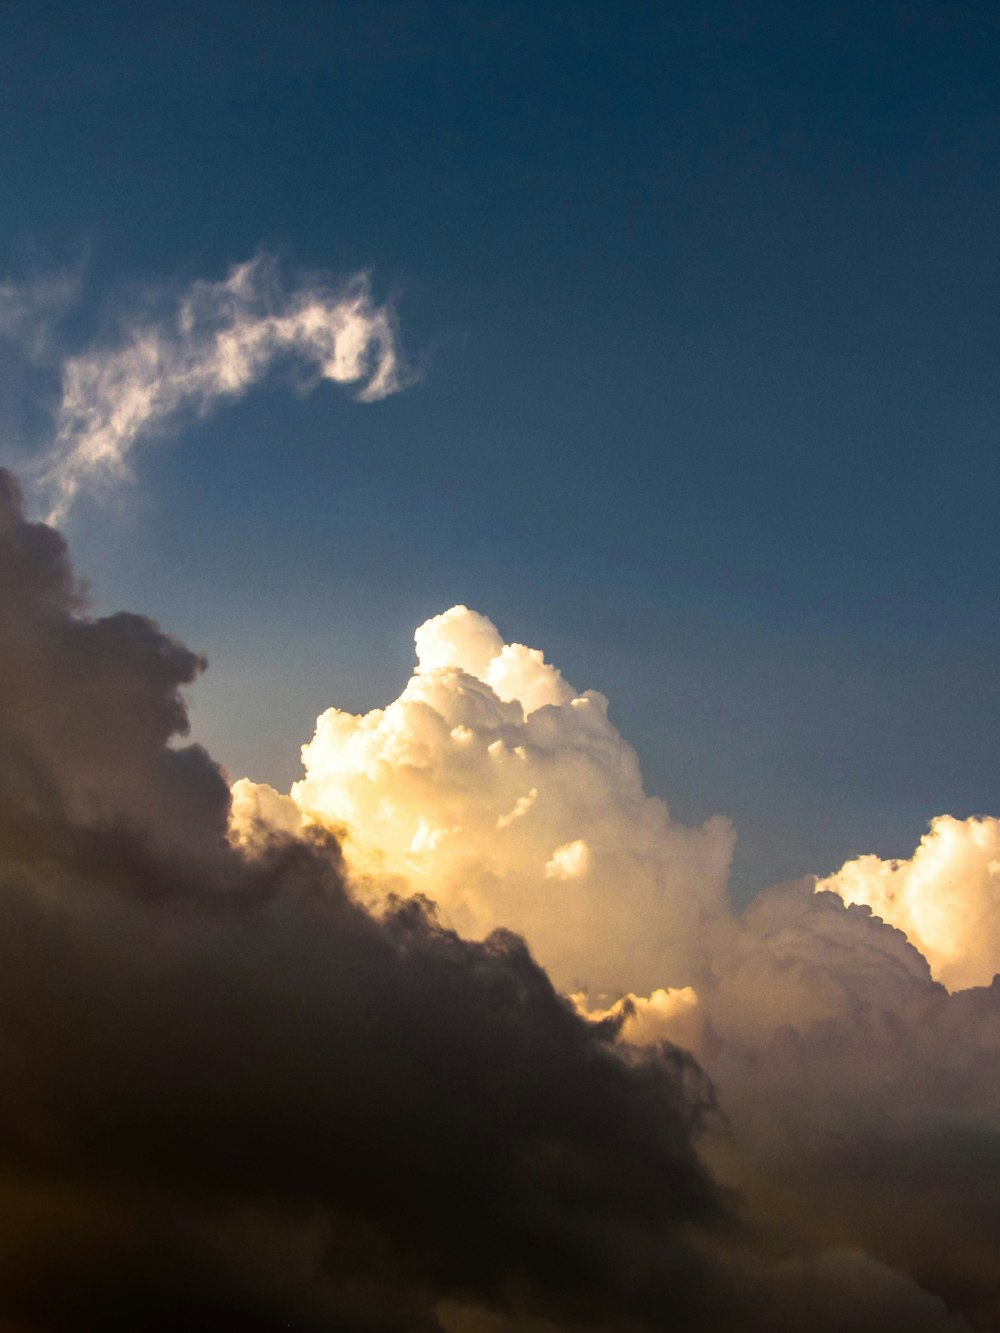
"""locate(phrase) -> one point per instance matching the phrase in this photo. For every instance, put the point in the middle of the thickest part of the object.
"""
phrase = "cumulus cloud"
(218, 340)
(89, 705)
(946, 897)
(505, 796)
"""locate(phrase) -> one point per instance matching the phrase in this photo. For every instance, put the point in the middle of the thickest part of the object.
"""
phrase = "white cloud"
(221, 338)
(569, 861)
(495, 788)
(946, 898)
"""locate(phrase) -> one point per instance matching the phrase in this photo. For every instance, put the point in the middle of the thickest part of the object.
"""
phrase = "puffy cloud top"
(506, 796)
(841, 1065)
(946, 897)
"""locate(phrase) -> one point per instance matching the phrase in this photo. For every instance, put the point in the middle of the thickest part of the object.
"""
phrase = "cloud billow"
(305, 1060)
(509, 798)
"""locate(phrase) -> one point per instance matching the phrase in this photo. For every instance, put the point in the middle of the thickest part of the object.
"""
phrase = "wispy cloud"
(218, 340)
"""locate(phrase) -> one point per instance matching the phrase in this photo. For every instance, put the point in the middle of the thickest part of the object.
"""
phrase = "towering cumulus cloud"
(508, 798)
(218, 340)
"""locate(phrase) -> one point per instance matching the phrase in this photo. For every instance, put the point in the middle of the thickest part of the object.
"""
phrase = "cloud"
(946, 898)
(841, 1065)
(235, 1098)
(847, 1289)
(89, 705)
(219, 340)
(495, 789)
(863, 1099)
(673, 1015)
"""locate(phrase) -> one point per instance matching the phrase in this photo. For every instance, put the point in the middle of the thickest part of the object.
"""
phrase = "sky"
(498, 645)
(703, 302)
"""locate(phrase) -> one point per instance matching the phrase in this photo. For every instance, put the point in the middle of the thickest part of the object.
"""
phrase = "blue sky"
(706, 302)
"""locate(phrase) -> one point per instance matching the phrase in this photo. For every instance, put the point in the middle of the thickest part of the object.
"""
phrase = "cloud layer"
(218, 340)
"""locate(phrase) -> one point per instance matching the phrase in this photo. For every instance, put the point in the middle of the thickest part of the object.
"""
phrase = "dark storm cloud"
(230, 1094)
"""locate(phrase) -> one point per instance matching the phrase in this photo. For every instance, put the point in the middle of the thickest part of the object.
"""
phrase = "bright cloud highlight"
(946, 898)
(496, 789)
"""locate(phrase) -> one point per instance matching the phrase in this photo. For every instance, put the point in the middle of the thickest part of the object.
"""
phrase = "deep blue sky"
(708, 298)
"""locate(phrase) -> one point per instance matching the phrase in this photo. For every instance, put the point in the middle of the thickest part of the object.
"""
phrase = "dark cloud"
(89, 705)
(233, 1098)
